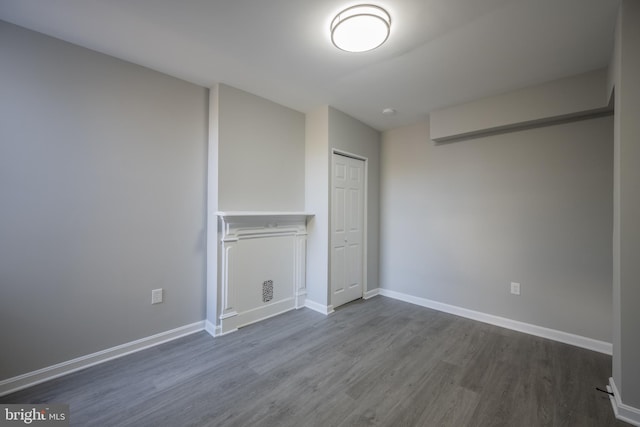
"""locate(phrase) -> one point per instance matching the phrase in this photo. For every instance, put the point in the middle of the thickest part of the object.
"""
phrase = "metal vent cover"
(267, 290)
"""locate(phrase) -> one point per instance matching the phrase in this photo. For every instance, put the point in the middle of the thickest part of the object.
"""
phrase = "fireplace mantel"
(263, 265)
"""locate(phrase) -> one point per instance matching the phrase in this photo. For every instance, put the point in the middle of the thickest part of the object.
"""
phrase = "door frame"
(365, 213)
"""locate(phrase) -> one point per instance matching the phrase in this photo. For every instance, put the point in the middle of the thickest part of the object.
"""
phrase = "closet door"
(347, 229)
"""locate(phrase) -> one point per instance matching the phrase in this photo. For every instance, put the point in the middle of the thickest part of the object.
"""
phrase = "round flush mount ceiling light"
(360, 28)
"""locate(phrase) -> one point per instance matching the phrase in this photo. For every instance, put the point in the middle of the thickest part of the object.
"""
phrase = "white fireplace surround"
(262, 265)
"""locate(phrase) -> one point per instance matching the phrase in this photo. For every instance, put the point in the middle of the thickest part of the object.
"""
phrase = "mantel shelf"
(253, 224)
(231, 214)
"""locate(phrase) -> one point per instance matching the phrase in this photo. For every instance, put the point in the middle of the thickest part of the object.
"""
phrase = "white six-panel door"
(347, 229)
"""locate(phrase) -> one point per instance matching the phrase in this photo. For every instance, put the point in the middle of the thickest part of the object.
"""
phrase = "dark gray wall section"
(102, 198)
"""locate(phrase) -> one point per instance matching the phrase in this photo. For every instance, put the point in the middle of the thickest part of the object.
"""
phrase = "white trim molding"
(540, 331)
(29, 379)
(370, 294)
(623, 412)
(212, 329)
(324, 309)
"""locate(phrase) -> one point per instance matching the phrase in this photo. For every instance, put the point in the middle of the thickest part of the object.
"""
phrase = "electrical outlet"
(156, 296)
(515, 288)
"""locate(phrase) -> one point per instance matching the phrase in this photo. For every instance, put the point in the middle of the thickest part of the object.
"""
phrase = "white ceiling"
(439, 53)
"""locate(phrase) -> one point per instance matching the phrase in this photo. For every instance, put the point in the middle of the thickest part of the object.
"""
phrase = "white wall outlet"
(156, 296)
(515, 288)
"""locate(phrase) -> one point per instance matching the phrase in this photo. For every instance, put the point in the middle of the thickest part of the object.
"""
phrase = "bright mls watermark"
(42, 415)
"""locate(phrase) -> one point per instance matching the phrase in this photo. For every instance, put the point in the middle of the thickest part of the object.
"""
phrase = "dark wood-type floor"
(376, 362)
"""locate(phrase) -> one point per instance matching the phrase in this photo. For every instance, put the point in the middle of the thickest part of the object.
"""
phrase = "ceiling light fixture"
(360, 28)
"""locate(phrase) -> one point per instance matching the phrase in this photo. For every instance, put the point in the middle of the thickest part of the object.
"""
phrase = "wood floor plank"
(376, 362)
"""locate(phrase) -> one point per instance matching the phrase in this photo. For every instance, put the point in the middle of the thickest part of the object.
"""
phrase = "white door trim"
(365, 213)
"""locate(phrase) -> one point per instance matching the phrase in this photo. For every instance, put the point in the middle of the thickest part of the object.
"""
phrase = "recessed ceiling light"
(389, 111)
(360, 28)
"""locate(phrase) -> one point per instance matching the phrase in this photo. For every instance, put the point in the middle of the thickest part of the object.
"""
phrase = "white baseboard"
(212, 329)
(29, 379)
(371, 294)
(623, 412)
(231, 323)
(552, 334)
(300, 299)
(324, 309)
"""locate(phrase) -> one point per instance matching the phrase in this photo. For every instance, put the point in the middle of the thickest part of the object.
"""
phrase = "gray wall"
(462, 220)
(260, 153)
(626, 251)
(102, 198)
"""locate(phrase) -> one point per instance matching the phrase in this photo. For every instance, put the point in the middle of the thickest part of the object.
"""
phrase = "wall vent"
(267, 290)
